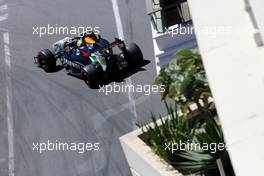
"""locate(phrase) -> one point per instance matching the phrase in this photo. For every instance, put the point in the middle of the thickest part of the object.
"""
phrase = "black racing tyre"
(48, 59)
(134, 55)
(92, 75)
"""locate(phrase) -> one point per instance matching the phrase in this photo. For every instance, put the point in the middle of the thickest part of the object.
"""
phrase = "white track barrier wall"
(235, 68)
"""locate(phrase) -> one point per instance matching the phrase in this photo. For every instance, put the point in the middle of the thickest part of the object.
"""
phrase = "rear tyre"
(134, 55)
(92, 75)
(47, 60)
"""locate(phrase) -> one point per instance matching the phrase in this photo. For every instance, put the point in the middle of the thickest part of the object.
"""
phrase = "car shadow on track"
(57, 69)
(120, 76)
(127, 72)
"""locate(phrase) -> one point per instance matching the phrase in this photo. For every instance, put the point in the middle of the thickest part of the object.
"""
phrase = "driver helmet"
(89, 40)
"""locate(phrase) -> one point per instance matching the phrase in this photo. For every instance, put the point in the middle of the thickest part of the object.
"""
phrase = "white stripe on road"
(3, 17)
(121, 36)
(118, 20)
(132, 101)
(3, 7)
(9, 104)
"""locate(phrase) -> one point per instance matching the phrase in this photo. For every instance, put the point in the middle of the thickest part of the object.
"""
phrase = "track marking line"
(3, 17)
(121, 36)
(3, 7)
(10, 120)
(118, 20)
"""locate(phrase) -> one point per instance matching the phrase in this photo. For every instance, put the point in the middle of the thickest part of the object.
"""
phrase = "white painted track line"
(121, 36)
(3, 17)
(9, 104)
(118, 20)
(10, 121)
(3, 7)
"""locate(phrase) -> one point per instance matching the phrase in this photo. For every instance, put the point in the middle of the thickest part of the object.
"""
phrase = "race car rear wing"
(117, 42)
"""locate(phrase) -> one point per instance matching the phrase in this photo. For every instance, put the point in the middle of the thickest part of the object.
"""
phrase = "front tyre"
(134, 55)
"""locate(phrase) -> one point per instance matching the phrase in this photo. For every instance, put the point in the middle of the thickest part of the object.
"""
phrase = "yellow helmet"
(89, 40)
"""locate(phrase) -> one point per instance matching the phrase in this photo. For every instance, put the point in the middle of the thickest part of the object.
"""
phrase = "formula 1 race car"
(90, 56)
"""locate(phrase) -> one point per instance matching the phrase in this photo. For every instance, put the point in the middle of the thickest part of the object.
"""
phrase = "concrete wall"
(141, 159)
(235, 68)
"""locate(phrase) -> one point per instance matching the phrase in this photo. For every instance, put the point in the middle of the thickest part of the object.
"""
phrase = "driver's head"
(89, 40)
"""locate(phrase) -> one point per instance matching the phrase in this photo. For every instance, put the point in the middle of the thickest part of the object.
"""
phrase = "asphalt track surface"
(56, 106)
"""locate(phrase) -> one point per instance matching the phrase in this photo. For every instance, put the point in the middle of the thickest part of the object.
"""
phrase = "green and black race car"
(90, 57)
